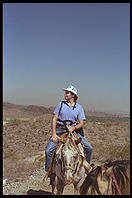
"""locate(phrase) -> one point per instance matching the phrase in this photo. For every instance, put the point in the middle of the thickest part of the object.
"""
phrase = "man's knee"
(49, 149)
(89, 148)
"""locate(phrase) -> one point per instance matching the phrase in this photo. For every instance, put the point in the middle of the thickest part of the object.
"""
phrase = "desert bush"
(117, 123)
(105, 119)
(19, 170)
(99, 128)
(10, 154)
(119, 151)
(108, 124)
(98, 147)
(34, 126)
(16, 121)
(115, 133)
(40, 160)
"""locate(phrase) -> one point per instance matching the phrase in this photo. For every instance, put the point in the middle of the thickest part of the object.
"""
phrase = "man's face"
(68, 95)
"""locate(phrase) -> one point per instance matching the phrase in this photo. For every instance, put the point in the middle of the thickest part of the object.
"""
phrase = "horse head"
(69, 164)
(107, 179)
(70, 157)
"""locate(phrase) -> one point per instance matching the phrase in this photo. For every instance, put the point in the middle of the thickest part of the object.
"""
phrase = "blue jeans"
(51, 146)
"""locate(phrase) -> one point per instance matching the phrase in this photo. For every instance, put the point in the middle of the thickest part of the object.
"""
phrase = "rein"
(115, 184)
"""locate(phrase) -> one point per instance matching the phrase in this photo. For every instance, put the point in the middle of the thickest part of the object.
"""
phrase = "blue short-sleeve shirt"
(68, 113)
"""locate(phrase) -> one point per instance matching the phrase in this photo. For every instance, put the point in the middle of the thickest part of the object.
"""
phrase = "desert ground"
(26, 131)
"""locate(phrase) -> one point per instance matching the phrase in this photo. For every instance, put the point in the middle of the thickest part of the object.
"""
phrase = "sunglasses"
(66, 92)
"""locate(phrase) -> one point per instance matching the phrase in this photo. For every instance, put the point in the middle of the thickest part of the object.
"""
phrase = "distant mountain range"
(11, 110)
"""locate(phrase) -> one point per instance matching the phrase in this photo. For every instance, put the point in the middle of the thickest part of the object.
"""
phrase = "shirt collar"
(68, 104)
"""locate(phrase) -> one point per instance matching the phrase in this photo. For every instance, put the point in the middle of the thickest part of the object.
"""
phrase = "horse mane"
(91, 180)
(117, 162)
(119, 169)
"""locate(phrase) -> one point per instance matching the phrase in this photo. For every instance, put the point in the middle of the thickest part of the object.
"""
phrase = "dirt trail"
(32, 186)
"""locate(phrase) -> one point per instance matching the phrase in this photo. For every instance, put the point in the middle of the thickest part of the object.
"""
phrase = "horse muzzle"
(68, 176)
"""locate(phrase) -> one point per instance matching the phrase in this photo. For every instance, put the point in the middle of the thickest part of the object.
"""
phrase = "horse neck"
(71, 143)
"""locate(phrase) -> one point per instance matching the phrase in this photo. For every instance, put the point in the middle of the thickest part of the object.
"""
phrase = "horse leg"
(59, 186)
(76, 188)
(52, 182)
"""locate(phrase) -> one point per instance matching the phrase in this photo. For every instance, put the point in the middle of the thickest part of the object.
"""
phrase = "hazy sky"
(47, 46)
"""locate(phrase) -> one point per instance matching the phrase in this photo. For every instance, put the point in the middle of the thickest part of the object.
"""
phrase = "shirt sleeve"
(56, 111)
(81, 115)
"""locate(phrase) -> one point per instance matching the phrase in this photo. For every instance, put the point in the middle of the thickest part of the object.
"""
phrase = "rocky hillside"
(20, 111)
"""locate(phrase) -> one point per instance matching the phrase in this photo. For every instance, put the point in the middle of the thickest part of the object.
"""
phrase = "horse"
(69, 164)
(112, 178)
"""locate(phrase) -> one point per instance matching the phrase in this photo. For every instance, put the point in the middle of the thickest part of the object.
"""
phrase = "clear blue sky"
(47, 46)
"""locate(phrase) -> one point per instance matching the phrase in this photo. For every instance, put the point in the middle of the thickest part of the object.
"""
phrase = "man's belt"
(58, 126)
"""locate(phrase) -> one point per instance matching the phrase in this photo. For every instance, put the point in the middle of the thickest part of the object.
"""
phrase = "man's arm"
(78, 126)
(53, 128)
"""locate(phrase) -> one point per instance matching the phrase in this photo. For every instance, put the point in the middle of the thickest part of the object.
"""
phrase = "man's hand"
(70, 128)
(54, 138)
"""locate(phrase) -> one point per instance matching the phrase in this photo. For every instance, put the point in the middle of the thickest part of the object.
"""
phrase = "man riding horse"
(65, 118)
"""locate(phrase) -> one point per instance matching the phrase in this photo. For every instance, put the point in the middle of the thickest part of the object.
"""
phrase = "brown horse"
(108, 179)
(69, 164)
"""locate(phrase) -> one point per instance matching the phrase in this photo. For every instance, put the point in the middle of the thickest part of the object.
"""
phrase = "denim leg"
(48, 153)
(50, 148)
(87, 146)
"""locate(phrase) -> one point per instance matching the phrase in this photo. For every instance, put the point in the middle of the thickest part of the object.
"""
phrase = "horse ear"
(108, 172)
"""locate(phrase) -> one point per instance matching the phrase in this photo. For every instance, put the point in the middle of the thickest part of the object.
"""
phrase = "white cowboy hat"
(72, 89)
